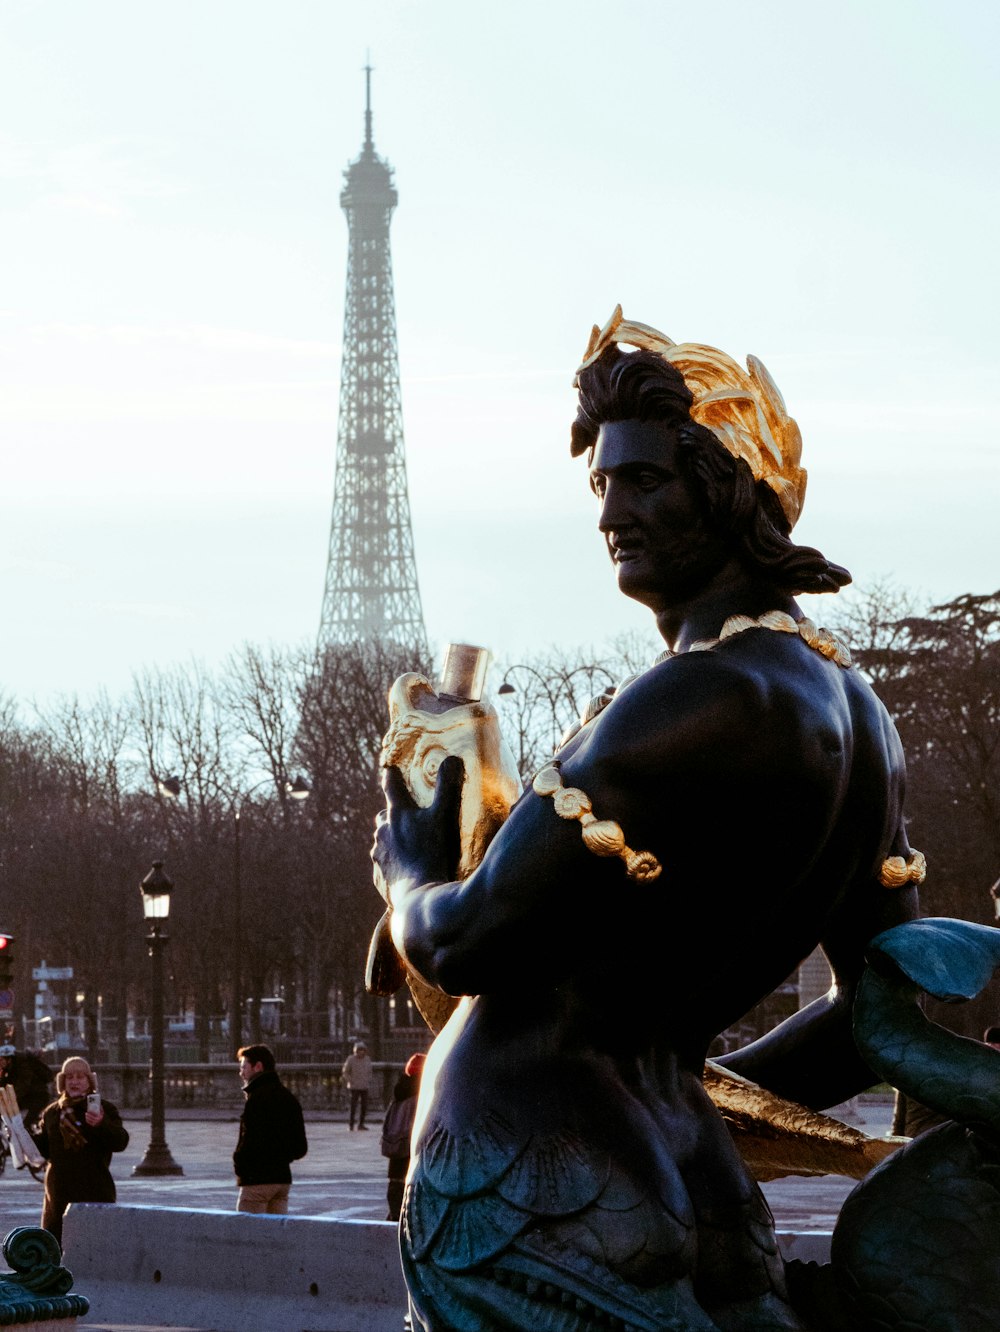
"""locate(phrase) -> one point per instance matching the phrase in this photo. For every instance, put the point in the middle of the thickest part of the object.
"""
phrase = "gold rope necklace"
(605, 837)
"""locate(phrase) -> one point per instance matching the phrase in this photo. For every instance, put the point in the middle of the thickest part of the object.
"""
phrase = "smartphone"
(94, 1103)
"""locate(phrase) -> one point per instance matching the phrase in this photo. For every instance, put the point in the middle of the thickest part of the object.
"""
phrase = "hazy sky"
(814, 184)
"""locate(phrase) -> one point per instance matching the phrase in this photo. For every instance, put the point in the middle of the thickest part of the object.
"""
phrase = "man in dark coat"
(272, 1134)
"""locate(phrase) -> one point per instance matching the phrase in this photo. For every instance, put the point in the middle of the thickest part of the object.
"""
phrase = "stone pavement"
(343, 1175)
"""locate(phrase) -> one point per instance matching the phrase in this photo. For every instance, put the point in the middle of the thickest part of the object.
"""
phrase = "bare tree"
(871, 620)
(542, 699)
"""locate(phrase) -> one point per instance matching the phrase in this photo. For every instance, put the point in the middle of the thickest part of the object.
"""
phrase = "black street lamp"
(155, 889)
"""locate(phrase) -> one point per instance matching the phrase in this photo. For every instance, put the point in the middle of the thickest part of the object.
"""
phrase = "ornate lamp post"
(155, 889)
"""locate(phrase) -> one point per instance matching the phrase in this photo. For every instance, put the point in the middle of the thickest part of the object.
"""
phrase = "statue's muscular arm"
(537, 880)
(660, 760)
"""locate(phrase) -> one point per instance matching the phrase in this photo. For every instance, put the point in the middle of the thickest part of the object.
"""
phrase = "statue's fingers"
(450, 780)
(396, 793)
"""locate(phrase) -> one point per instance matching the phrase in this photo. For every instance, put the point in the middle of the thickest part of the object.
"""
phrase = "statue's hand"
(419, 845)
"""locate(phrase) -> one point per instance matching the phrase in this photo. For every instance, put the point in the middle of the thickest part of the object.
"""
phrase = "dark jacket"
(399, 1116)
(271, 1133)
(83, 1175)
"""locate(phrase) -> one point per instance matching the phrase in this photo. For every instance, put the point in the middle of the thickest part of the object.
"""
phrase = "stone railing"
(217, 1086)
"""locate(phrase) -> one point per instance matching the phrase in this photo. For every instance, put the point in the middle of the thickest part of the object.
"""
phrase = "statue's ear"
(951, 959)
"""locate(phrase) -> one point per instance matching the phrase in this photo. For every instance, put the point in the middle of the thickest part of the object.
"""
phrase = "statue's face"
(660, 543)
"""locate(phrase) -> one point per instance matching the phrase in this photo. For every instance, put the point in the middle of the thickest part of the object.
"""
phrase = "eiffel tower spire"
(371, 575)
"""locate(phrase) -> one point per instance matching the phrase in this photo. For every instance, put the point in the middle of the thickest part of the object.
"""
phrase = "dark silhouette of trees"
(939, 676)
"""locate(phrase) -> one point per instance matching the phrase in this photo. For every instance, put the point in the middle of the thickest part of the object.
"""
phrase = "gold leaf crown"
(743, 409)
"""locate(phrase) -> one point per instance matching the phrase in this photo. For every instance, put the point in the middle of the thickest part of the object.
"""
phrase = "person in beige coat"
(357, 1078)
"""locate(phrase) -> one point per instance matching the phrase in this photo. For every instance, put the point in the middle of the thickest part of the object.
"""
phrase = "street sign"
(6, 1003)
(51, 973)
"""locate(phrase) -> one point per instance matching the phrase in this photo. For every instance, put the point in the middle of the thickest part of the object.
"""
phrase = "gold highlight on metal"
(776, 1137)
(820, 640)
(743, 409)
(603, 837)
(426, 726)
(897, 872)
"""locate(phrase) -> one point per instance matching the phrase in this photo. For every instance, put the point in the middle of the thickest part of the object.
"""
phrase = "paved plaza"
(343, 1175)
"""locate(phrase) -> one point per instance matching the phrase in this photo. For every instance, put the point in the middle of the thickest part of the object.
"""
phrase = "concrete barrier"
(170, 1267)
(233, 1272)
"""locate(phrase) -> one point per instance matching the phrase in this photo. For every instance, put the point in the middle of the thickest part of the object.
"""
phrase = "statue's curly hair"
(641, 386)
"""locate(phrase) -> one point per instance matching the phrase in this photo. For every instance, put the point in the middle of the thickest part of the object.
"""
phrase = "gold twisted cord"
(603, 837)
(897, 872)
(820, 640)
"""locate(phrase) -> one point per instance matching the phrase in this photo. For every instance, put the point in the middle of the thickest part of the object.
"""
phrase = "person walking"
(272, 1135)
(77, 1133)
(357, 1078)
(396, 1129)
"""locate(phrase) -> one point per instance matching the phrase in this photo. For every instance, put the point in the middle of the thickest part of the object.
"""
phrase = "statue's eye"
(647, 480)
(598, 485)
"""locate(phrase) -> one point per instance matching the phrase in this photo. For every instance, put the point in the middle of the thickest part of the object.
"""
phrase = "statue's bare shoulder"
(761, 711)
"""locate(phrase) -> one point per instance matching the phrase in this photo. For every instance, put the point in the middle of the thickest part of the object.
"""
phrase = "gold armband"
(603, 837)
(897, 872)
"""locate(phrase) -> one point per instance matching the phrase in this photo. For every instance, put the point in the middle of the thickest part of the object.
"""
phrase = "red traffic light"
(5, 941)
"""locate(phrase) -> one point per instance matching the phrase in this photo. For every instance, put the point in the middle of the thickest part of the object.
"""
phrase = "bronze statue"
(725, 811)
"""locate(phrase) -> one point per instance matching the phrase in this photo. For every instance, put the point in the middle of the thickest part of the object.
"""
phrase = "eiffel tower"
(371, 576)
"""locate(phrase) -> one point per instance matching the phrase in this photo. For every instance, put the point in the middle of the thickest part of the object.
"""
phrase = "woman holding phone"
(77, 1134)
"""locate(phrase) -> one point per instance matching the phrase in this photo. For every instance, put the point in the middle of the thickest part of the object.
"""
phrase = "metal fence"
(217, 1087)
(58, 1038)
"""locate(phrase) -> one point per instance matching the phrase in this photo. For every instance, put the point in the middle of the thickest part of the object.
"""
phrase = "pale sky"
(816, 185)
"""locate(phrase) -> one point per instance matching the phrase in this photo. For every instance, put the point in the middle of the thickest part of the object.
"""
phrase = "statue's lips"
(625, 550)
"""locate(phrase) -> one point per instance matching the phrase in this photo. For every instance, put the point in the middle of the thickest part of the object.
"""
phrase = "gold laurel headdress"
(743, 409)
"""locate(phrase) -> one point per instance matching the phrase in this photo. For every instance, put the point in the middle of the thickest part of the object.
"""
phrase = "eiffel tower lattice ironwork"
(371, 576)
